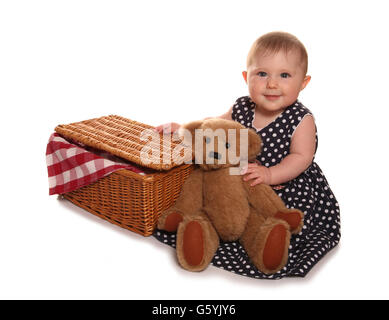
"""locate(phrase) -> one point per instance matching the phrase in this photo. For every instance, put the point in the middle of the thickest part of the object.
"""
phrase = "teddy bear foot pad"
(197, 242)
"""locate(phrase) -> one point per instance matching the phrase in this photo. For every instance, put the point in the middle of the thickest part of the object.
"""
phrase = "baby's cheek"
(257, 84)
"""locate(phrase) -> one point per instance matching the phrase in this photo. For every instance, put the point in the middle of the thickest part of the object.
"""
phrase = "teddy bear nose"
(215, 155)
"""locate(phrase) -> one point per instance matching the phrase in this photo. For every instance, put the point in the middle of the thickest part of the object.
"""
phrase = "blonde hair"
(274, 42)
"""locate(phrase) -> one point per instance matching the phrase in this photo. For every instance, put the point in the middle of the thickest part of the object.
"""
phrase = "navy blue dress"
(309, 192)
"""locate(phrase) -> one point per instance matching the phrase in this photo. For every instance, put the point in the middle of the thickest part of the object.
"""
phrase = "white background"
(160, 61)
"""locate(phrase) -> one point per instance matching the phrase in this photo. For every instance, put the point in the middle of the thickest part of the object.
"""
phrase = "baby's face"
(275, 80)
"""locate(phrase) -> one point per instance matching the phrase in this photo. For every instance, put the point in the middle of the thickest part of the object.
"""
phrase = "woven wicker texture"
(122, 137)
(131, 200)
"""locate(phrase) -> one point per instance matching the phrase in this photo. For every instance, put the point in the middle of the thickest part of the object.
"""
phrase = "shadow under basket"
(131, 200)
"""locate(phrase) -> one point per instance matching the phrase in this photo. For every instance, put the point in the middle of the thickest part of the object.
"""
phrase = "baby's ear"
(190, 128)
(255, 144)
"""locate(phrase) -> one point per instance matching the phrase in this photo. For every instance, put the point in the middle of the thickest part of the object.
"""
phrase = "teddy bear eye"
(227, 145)
(207, 140)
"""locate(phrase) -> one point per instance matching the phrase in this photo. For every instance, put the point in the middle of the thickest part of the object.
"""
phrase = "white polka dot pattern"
(309, 192)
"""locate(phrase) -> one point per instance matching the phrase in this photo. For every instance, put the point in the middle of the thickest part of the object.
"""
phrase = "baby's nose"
(271, 82)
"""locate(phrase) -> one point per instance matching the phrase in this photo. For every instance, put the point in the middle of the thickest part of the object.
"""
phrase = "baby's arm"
(173, 126)
(302, 150)
(167, 128)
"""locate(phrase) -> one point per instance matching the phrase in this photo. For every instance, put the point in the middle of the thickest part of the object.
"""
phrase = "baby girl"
(276, 72)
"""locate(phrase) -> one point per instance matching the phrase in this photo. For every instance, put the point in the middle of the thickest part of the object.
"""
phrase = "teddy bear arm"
(188, 203)
(190, 199)
(263, 198)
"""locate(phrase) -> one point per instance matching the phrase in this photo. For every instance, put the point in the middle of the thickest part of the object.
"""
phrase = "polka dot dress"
(309, 192)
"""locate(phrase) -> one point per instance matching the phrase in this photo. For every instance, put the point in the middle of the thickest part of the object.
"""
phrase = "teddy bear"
(215, 205)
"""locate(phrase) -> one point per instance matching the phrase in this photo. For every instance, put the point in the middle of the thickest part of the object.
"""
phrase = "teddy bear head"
(218, 143)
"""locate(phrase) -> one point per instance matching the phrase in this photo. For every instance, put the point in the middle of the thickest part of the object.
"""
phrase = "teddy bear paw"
(170, 220)
(197, 242)
(193, 243)
(268, 250)
(274, 250)
(294, 218)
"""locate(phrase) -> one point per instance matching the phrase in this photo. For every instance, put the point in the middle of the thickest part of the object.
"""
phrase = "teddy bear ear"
(190, 127)
(255, 144)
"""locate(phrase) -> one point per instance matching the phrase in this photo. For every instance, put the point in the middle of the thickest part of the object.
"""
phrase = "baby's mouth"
(272, 97)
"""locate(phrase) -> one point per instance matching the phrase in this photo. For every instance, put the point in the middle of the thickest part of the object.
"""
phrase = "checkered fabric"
(71, 166)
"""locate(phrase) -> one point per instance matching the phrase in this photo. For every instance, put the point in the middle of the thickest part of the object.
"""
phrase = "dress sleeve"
(240, 108)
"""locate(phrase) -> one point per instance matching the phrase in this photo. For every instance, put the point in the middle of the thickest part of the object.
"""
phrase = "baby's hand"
(168, 128)
(257, 173)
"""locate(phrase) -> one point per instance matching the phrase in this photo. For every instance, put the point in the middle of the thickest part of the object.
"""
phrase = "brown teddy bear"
(215, 205)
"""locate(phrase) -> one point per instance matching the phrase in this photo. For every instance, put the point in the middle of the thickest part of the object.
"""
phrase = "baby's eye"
(262, 74)
(285, 75)
(227, 145)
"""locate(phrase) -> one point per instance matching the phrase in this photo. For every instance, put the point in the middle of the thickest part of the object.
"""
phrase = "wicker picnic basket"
(125, 198)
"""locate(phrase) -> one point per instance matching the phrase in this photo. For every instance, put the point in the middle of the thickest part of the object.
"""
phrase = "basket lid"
(130, 140)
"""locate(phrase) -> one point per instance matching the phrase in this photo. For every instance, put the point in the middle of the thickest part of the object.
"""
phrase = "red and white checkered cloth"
(71, 166)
